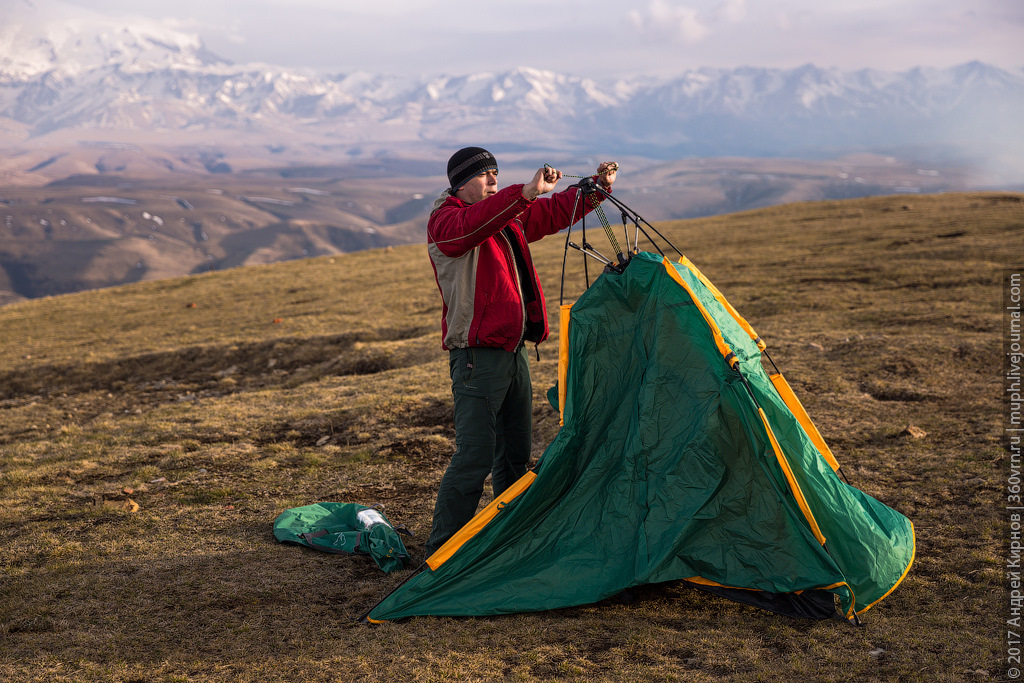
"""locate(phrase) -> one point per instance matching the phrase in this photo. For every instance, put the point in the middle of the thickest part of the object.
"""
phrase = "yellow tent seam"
(563, 359)
(481, 520)
(791, 478)
(716, 333)
(722, 300)
(792, 402)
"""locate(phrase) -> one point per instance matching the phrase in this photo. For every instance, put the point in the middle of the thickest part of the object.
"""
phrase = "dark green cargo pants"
(493, 422)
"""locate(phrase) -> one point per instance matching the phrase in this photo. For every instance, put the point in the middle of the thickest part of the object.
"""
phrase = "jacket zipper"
(519, 288)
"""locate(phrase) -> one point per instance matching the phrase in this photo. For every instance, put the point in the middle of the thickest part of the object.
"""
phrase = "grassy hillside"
(151, 433)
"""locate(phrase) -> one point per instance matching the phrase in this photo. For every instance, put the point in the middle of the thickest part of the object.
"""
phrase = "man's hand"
(544, 181)
(606, 173)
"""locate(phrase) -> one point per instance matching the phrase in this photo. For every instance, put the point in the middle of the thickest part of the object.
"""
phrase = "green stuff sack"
(345, 528)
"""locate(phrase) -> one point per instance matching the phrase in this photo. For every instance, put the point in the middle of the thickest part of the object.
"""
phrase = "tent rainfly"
(679, 458)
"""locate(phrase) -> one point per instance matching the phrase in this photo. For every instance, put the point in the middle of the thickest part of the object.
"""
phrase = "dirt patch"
(434, 413)
(132, 383)
(420, 453)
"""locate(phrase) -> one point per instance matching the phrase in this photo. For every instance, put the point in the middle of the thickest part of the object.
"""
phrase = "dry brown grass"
(214, 418)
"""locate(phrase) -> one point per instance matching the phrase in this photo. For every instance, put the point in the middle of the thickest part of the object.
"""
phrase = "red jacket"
(489, 288)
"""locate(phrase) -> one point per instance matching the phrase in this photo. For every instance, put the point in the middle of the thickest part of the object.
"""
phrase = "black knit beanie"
(467, 163)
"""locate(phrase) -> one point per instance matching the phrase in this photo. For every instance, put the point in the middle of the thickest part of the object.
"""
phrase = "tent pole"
(636, 217)
(588, 250)
(565, 253)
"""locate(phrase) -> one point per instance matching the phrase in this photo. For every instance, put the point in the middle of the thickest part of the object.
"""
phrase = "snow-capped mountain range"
(148, 78)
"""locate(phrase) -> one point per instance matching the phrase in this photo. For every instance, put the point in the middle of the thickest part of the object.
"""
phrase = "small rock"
(877, 652)
(913, 432)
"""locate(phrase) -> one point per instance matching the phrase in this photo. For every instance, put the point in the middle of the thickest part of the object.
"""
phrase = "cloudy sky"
(584, 37)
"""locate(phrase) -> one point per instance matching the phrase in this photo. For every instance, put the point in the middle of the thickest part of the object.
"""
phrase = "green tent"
(679, 458)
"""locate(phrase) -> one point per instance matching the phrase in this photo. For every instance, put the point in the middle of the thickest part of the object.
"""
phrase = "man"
(493, 304)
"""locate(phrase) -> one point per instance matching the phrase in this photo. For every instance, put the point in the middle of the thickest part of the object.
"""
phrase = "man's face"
(479, 187)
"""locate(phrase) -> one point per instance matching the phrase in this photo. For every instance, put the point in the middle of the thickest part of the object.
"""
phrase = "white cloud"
(665, 20)
(595, 38)
(732, 11)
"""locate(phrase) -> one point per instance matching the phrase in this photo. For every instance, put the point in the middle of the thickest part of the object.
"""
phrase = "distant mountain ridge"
(131, 152)
(146, 78)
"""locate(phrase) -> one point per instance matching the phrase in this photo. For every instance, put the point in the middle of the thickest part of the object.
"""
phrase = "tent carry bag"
(345, 528)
